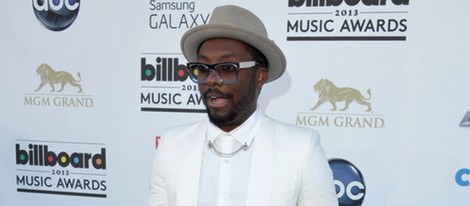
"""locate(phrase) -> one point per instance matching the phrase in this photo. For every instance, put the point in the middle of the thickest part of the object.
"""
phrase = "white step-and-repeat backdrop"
(87, 86)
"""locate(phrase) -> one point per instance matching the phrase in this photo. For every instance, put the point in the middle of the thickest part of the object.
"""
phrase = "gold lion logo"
(327, 91)
(51, 77)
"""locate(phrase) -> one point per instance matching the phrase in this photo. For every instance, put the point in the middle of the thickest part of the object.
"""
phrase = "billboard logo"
(39, 155)
(56, 15)
(165, 86)
(165, 69)
(466, 120)
(347, 20)
(349, 182)
(328, 92)
(326, 3)
(61, 168)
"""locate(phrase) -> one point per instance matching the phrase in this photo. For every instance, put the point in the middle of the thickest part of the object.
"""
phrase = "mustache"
(215, 92)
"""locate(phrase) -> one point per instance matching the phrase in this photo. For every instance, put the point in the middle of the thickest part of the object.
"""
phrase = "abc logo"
(56, 15)
(349, 183)
(462, 177)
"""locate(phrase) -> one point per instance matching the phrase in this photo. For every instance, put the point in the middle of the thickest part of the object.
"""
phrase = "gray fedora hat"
(234, 22)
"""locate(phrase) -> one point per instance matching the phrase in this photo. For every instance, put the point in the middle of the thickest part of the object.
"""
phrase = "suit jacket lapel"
(262, 165)
(188, 194)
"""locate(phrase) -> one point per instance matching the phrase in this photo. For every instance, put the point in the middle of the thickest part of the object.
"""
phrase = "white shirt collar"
(244, 133)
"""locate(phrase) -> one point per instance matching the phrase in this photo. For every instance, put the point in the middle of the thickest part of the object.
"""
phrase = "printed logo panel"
(58, 89)
(175, 15)
(166, 86)
(328, 92)
(56, 15)
(51, 77)
(61, 168)
(348, 20)
(349, 182)
(331, 109)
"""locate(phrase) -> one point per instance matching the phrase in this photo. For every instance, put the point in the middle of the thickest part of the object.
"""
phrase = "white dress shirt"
(224, 180)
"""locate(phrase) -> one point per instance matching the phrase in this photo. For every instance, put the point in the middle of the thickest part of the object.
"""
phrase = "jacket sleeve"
(317, 186)
(158, 194)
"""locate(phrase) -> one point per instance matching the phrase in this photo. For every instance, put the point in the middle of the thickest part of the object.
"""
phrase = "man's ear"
(262, 75)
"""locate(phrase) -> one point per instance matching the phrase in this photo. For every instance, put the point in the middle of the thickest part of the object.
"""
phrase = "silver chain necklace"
(227, 155)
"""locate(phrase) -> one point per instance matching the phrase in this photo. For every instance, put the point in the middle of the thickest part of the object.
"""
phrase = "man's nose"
(213, 78)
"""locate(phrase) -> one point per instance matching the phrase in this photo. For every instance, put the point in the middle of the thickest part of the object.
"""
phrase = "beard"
(238, 108)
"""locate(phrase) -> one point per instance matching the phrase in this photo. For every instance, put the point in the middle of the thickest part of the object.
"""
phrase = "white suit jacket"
(288, 167)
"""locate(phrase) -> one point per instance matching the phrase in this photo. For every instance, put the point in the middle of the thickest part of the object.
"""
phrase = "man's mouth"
(216, 99)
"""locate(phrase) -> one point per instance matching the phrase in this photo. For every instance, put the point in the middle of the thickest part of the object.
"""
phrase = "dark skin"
(229, 105)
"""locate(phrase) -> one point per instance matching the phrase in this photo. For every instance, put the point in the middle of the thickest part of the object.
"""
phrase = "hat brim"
(194, 37)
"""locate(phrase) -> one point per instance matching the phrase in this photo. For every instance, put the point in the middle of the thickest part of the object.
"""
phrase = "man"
(239, 156)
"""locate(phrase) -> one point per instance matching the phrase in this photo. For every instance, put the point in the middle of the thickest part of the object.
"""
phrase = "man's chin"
(221, 120)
